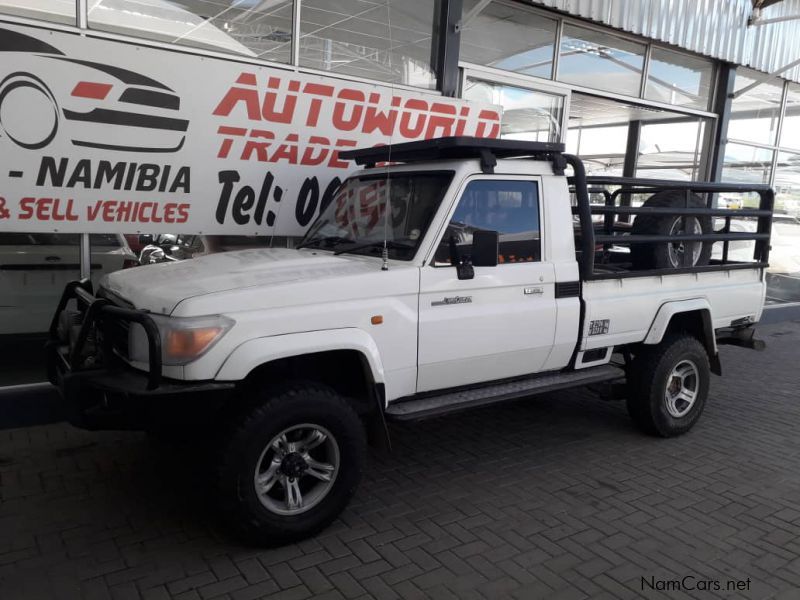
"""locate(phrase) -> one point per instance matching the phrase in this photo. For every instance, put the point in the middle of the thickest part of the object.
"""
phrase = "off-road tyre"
(247, 439)
(650, 374)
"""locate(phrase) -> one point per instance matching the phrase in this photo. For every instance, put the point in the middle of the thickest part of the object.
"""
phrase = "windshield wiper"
(330, 240)
(373, 244)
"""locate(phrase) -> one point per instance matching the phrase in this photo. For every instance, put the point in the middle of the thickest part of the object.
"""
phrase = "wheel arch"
(692, 316)
(346, 360)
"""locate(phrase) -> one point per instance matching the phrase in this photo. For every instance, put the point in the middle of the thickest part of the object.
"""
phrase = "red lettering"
(415, 131)
(169, 212)
(43, 208)
(124, 211)
(288, 151)
(494, 130)
(270, 112)
(183, 211)
(142, 206)
(225, 147)
(71, 216)
(154, 218)
(109, 208)
(309, 158)
(235, 95)
(247, 79)
(259, 148)
(462, 121)
(316, 89)
(342, 122)
(440, 125)
(383, 121)
(56, 216)
(334, 162)
(26, 205)
(92, 212)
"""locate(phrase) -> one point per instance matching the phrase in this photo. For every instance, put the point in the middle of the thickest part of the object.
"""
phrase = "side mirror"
(464, 270)
(463, 265)
(145, 239)
(485, 245)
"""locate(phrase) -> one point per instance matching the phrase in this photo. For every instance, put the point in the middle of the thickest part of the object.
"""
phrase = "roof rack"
(488, 150)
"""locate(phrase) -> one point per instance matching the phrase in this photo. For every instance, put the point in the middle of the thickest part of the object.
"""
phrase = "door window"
(511, 208)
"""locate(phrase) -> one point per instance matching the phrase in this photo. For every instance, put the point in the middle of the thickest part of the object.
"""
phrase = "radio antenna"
(387, 209)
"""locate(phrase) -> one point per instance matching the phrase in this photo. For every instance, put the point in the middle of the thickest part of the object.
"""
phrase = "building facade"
(686, 89)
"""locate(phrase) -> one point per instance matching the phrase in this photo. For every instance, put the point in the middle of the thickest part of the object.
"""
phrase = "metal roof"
(715, 28)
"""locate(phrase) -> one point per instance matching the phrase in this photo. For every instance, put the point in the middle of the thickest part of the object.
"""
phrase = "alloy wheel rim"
(297, 469)
(677, 250)
(682, 388)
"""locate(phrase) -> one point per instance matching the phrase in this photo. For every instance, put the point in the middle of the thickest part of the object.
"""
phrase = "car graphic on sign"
(44, 93)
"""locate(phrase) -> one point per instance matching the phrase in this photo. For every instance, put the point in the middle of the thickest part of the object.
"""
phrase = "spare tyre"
(671, 255)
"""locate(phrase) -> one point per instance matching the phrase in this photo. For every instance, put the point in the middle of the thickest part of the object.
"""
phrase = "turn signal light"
(188, 343)
(376, 320)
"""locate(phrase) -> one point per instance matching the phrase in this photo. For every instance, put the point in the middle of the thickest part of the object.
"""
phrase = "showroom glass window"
(755, 114)
(680, 79)
(55, 11)
(509, 207)
(790, 129)
(595, 59)
(783, 276)
(508, 37)
(385, 40)
(746, 164)
(529, 115)
(598, 133)
(672, 148)
(248, 28)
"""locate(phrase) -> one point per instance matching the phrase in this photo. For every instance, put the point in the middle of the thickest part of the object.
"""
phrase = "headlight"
(183, 339)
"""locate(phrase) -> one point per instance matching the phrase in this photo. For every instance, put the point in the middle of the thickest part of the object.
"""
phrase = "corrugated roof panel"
(715, 28)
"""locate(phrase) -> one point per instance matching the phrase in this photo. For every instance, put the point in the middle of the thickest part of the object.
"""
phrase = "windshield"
(355, 216)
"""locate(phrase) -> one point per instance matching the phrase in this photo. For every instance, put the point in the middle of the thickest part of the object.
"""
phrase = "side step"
(453, 401)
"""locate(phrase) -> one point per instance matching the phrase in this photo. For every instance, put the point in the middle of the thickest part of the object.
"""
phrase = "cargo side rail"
(626, 187)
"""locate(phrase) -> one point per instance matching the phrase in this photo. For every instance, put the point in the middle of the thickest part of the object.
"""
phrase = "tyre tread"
(245, 524)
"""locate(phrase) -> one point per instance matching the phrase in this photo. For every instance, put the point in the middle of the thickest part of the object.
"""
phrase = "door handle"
(52, 258)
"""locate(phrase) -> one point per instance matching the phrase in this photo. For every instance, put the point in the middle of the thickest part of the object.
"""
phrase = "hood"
(161, 287)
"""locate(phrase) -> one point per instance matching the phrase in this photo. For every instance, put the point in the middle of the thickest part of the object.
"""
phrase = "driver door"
(501, 323)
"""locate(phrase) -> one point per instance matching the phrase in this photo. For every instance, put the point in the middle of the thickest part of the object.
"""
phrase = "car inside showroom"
(254, 253)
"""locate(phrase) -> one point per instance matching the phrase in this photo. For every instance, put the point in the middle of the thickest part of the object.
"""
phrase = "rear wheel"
(291, 465)
(668, 385)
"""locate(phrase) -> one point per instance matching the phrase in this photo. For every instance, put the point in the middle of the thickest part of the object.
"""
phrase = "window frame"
(86, 32)
(535, 179)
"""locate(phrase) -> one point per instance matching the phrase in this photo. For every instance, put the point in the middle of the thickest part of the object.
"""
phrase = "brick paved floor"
(556, 497)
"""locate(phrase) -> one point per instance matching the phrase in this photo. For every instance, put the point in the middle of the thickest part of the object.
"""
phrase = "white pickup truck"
(468, 272)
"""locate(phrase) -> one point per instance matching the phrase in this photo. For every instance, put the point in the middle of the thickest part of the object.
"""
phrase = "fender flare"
(663, 318)
(258, 351)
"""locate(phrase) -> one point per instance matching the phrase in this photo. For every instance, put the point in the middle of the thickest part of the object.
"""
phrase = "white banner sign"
(103, 136)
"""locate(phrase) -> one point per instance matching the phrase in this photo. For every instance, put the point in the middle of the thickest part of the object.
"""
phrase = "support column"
(631, 159)
(722, 107)
(445, 47)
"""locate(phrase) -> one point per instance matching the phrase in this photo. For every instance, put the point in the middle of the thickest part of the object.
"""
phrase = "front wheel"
(668, 385)
(291, 465)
